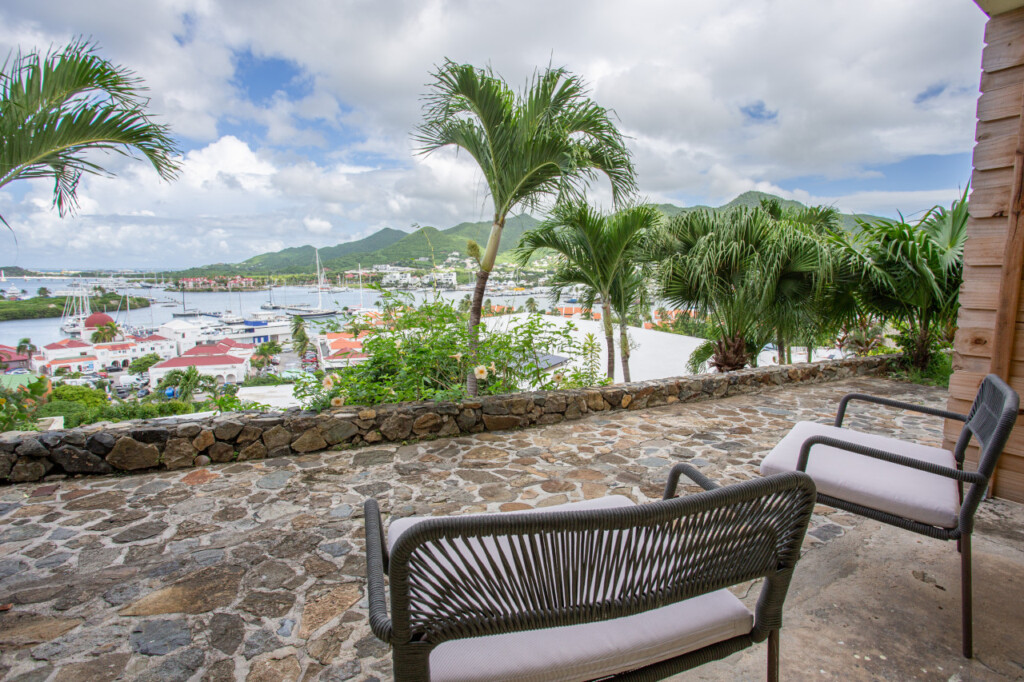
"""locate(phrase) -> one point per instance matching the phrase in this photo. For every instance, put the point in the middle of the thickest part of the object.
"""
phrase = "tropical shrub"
(911, 276)
(141, 365)
(76, 413)
(754, 278)
(19, 406)
(425, 354)
(89, 397)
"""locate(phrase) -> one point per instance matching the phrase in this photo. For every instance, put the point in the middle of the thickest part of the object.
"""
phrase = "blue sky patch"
(758, 112)
(259, 78)
(909, 175)
(931, 92)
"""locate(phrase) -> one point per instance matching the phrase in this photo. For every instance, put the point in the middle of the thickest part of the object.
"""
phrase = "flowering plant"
(18, 406)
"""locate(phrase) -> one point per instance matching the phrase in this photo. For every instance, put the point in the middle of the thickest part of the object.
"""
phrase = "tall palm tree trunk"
(609, 335)
(624, 349)
(482, 275)
(474, 321)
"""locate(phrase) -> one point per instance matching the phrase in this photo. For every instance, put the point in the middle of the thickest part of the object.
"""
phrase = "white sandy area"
(656, 355)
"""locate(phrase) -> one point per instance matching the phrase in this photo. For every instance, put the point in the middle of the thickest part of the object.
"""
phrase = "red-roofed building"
(12, 359)
(84, 364)
(222, 347)
(223, 368)
(97, 320)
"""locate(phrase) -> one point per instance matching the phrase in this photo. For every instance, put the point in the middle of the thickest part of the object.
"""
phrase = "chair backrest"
(990, 421)
(489, 574)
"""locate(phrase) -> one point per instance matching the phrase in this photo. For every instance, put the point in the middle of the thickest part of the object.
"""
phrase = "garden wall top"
(200, 439)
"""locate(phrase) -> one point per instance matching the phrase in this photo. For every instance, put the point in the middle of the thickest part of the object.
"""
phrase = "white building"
(192, 331)
(442, 278)
(81, 356)
(223, 368)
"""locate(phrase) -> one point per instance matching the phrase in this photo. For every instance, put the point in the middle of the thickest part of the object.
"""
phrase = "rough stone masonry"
(182, 442)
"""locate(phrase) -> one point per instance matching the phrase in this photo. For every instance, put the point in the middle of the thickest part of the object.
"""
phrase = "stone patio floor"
(255, 570)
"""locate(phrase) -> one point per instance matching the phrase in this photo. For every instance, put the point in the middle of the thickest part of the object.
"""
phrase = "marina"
(239, 306)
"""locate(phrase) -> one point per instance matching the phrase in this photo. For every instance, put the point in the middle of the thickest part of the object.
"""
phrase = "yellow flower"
(457, 356)
(480, 372)
(558, 377)
(491, 367)
(337, 401)
(328, 381)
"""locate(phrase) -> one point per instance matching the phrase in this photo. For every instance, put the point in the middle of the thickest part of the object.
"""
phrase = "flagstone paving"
(255, 570)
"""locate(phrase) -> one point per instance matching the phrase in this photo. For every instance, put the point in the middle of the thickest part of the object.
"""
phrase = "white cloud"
(316, 225)
(845, 82)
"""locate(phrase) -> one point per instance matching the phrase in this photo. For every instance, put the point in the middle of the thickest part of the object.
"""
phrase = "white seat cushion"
(580, 652)
(887, 487)
(584, 652)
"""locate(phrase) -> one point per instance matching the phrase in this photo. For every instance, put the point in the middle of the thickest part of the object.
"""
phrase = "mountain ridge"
(428, 245)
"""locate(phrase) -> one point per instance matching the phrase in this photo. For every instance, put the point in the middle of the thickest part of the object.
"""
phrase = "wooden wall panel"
(1000, 103)
(990, 334)
(998, 177)
(985, 250)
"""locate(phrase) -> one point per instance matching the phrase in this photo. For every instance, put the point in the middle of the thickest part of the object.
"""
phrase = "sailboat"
(76, 310)
(321, 287)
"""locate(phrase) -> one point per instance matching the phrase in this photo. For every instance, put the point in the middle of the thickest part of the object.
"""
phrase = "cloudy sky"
(295, 118)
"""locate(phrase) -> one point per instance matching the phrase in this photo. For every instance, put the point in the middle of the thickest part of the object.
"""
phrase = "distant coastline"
(40, 307)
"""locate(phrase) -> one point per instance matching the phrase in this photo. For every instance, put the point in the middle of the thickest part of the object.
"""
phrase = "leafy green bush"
(76, 413)
(424, 354)
(90, 397)
(140, 365)
(19, 406)
(937, 373)
(265, 380)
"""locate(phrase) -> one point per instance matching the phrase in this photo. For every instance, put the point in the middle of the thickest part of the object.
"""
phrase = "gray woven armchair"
(909, 485)
(595, 589)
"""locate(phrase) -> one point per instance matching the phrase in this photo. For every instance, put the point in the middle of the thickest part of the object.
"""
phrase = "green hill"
(403, 248)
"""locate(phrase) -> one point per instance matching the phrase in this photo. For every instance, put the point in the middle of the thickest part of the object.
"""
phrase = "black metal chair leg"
(773, 656)
(967, 608)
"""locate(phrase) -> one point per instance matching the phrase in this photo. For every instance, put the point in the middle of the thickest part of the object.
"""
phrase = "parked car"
(142, 393)
(20, 370)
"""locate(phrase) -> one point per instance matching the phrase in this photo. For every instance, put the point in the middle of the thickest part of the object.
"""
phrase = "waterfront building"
(81, 356)
(223, 368)
(189, 332)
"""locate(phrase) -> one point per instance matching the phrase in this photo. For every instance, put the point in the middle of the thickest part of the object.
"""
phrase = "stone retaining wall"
(187, 441)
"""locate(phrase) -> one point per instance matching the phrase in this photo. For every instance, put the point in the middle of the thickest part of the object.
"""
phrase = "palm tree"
(531, 305)
(912, 273)
(754, 277)
(25, 347)
(188, 382)
(628, 293)
(56, 110)
(106, 333)
(546, 141)
(264, 352)
(300, 340)
(595, 251)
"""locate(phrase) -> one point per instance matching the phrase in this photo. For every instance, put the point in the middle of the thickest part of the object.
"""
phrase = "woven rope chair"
(908, 485)
(455, 581)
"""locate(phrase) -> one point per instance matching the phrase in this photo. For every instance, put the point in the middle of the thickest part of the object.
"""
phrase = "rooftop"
(254, 570)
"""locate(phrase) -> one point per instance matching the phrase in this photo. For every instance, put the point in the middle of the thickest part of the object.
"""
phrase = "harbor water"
(241, 303)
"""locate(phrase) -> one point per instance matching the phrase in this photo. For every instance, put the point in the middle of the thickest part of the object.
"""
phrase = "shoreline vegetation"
(53, 306)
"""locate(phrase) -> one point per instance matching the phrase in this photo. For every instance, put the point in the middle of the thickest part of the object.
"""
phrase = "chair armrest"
(376, 566)
(888, 402)
(928, 467)
(691, 473)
